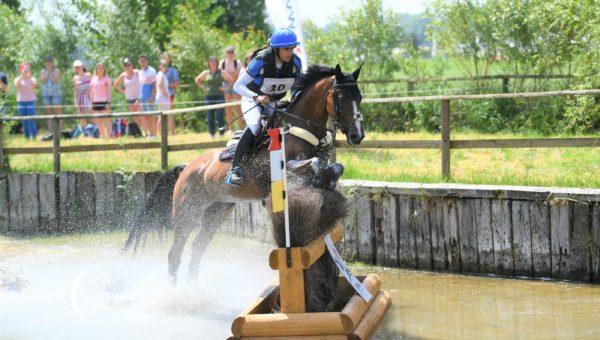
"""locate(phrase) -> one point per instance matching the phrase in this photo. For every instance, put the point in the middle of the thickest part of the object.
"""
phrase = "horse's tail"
(156, 214)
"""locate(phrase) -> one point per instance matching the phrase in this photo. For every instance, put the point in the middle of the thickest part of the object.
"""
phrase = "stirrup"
(234, 177)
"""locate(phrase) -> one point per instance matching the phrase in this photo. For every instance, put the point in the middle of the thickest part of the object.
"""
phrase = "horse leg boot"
(235, 176)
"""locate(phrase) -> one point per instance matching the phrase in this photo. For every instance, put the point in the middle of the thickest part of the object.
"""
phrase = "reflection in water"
(435, 306)
(82, 287)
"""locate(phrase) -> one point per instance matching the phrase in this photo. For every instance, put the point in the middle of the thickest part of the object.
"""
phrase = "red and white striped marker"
(279, 177)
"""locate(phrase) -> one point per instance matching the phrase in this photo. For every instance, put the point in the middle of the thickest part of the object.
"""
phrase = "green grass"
(558, 167)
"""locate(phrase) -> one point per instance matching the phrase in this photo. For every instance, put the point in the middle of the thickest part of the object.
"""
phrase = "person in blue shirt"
(266, 80)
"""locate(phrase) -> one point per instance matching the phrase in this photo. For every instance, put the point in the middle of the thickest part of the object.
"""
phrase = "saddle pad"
(227, 154)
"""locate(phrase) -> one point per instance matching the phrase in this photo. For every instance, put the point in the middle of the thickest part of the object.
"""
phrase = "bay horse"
(194, 196)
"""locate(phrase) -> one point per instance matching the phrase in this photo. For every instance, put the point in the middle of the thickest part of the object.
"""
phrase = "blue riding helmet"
(284, 37)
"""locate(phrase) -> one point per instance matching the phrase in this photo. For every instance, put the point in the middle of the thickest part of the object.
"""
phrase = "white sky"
(322, 11)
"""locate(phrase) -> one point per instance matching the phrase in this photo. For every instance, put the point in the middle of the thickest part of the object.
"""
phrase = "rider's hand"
(263, 99)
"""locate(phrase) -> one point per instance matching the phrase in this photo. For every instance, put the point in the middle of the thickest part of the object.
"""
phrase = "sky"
(321, 11)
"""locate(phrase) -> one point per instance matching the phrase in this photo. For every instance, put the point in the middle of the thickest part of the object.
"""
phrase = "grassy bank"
(563, 167)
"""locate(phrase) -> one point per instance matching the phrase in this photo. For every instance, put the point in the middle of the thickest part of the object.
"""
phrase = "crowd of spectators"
(144, 89)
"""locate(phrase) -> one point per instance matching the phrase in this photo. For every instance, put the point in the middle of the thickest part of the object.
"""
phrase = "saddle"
(263, 138)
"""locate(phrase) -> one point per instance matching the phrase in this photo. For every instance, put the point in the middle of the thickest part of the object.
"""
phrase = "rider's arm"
(241, 86)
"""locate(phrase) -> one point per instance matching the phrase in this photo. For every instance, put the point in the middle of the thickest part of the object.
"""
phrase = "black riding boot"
(235, 175)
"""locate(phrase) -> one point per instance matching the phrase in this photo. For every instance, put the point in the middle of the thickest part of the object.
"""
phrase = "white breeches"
(253, 116)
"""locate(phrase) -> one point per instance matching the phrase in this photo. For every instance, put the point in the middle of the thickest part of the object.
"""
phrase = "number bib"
(273, 86)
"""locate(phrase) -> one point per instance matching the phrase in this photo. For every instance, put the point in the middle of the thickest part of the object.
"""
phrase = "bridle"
(337, 106)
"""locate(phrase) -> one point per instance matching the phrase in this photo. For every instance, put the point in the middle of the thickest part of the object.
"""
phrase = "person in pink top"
(130, 80)
(25, 84)
(100, 88)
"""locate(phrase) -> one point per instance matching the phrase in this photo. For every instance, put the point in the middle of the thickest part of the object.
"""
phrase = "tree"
(238, 15)
(367, 34)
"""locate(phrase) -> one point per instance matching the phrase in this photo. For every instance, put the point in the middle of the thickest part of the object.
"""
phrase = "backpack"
(119, 127)
(91, 130)
(235, 64)
(133, 129)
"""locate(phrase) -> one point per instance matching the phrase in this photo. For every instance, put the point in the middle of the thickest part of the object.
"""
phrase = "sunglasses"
(230, 52)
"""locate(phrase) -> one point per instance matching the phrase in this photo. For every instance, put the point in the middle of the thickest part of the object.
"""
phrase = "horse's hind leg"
(184, 221)
(212, 219)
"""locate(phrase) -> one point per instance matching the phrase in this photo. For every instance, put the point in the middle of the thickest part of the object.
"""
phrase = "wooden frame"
(358, 319)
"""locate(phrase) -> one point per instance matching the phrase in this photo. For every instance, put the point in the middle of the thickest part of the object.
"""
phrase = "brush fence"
(473, 229)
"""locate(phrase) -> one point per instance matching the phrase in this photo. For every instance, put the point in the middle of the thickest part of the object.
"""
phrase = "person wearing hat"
(233, 67)
(130, 81)
(211, 81)
(81, 93)
(25, 84)
(51, 92)
(267, 79)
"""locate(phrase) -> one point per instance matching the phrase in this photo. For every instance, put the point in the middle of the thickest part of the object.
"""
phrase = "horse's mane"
(314, 73)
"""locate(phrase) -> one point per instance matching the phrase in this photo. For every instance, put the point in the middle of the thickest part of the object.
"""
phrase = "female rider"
(268, 77)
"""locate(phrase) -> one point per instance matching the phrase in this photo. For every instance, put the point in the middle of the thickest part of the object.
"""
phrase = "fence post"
(505, 85)
(445, 106)
(410, 88)
(164, 142)
(56, 143)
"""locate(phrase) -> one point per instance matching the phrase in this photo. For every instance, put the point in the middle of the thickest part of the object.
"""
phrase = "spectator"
(81, 93)
(147, 76)
(233, 67)
(51, 93)
(131, 89)
(211, 81)
(25, 84)
(100, 90)
(162, 87)
(3, 92)
(173, 77)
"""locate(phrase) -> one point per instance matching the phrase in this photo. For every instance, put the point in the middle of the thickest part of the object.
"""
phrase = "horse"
(194, 196)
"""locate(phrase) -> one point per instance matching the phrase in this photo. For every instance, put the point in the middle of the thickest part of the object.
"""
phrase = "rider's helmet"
(284, 38)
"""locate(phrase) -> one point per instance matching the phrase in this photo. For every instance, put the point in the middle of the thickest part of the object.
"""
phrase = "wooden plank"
(15, 202)
(595, 249)
(47, 196)
(105, 187)
(526, 143)
(521, 226)
(85, 193)
(291, 281)
(4, 202)
(407, 233)
(482, 96)
(31, 202)
(467, 229)
(119, 210)
(137, 192)
(502, 234)
(373, 317)
(377, 222)
(539, 215)
(560, 226)
(436, 223)
(423, 233)
(580, 237)
(68, 208)
(349, 246)
(390, 231)
(391, 144)
(485, 235)
(365, 231)
(451, 235)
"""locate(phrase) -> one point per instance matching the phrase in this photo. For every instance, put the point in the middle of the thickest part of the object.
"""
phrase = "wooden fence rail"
(446, 144)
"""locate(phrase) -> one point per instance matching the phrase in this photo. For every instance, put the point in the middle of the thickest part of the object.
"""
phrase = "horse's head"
(343, 105)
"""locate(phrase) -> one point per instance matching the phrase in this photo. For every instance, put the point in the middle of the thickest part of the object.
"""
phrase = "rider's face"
(285, 54)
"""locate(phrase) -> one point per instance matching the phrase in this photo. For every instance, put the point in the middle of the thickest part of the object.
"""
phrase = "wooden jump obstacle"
(357, 319)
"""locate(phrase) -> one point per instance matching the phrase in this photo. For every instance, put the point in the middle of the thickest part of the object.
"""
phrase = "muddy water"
(81, 287)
